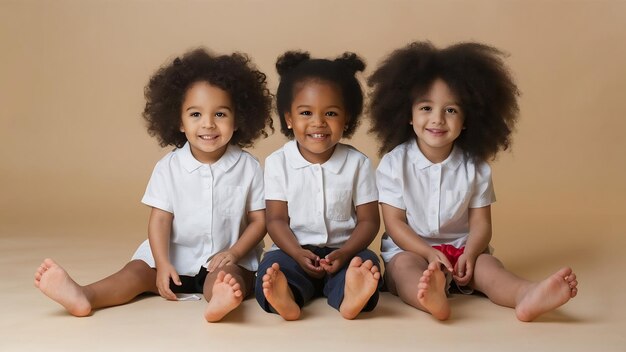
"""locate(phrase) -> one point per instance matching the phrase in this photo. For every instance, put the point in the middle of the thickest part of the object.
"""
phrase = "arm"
(477, 241)
(367, 225)
(159, 231)
(398, 228)
(277, 216)
(251, 236)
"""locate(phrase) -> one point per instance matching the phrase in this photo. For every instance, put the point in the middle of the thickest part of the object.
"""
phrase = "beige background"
(76, 160)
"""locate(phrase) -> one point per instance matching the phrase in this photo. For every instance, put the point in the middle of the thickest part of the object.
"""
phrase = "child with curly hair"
(321, 197)
(441, 114)
(208, 211)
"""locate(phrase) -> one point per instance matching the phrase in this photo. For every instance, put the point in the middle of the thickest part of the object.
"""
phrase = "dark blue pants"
(305, 287)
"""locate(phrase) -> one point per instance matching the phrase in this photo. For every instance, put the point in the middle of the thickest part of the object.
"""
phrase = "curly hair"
(233, 73)
(296, 68)
(474, 72)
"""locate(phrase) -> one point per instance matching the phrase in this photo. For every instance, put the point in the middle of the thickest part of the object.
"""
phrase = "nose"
(319, 120)
(208, 122)
(437, 117)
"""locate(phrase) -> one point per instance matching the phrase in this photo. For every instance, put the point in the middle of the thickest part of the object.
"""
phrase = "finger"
(332, 269)
(223, 260)
(313, 268)
(211, 265)
(459, 268)
(469, 269)
(175, 278)
(446, 263)
(165, 292)
(169, 294)
(311, 255)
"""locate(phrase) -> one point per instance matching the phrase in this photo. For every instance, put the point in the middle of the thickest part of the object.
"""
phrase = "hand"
(164, 273)
(437, 256)
(310, 263)
(464, 269)
(221, 259)
(333, 261)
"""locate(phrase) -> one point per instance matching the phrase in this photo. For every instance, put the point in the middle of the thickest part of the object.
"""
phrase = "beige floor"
(30, 322)
(75, 160)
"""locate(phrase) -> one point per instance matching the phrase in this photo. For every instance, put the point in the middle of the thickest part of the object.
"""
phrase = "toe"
(368, 264)
(356, 261)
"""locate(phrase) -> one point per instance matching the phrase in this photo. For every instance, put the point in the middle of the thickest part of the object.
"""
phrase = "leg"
(224, 290)
(418, 284)
(282, 286)
(530, 299)
(278, 293)
(354, 288)
(133, 279)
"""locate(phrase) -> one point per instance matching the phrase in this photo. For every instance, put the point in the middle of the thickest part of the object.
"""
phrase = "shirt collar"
(452, 161)
(228, 160)
(334, 164)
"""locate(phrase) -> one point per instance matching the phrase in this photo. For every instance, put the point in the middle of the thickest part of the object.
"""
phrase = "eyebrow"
(419, 101)
(328, 107)
(218, 108)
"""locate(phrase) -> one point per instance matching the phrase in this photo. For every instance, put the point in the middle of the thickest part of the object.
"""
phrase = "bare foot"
(55, 283)
(547, 295)
(278, 294)
(226, 296)
(361, 283)
(431, 292)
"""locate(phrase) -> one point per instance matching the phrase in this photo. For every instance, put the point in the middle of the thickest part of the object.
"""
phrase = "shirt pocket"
(455, 204)
(231, 201)
(339, 204)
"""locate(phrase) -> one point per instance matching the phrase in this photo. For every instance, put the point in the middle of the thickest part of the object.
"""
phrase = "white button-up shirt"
(210, 205)
(321, 199)
(436, 197)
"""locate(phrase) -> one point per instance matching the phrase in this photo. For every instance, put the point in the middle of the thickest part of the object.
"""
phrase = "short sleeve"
(158, 192)
(366, 190)
(389, 184)
(256, 195)
(275, 180)
(483, 194)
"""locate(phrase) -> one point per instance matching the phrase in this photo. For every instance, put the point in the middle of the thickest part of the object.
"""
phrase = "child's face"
(437, 121)
(208, 121)
(318, 118)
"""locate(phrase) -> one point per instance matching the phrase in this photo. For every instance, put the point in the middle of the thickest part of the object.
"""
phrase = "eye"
(220, 114)
(452, 111)
(305, 113)
(425, 108)
(331, 113)
(195, 114)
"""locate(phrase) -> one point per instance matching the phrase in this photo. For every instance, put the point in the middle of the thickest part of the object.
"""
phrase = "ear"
(347, 123)
(288, 120)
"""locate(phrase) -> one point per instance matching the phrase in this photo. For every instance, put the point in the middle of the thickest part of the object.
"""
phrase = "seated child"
(441, 114)
(321, 195)
(208, 208)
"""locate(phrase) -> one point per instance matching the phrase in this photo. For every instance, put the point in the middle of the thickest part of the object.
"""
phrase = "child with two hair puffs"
(206, 196)
(440, 115)
(321, 197)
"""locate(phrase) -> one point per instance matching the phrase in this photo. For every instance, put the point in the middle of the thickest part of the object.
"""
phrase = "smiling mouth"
(207, 138)
(436, 131)
(317, 135)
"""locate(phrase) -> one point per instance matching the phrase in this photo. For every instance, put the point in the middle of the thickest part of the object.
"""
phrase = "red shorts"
(451, 252)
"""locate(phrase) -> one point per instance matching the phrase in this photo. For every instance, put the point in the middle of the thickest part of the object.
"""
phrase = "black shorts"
(190, 284)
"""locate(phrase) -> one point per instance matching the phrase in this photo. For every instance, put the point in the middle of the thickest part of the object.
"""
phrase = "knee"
(137, 267)
(406, 261)
(488, 259)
